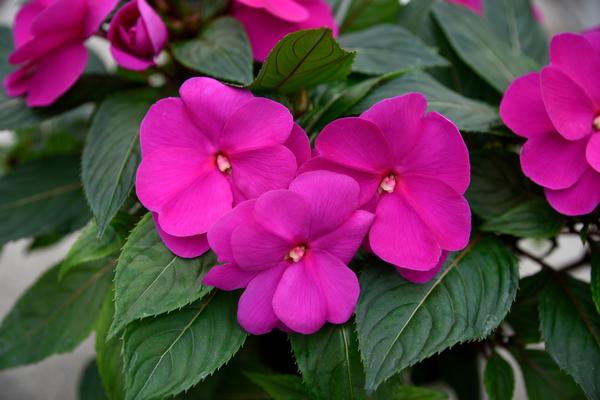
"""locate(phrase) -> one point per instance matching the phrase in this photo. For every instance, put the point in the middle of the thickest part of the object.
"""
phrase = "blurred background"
(56, 378)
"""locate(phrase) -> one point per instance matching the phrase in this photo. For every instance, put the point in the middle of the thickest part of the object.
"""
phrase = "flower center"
(223, 164)
(388, 184)
(296, 253)
(596, 123)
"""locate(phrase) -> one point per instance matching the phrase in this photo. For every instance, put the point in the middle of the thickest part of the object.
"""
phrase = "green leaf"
(543, 378)
(388, 48)
(169, 354)
(330, 362)
(467, 114)
(415, 393)
(280, 387)
(303, 59)
(595, 280)
(111, 155)
(514, 22)
(366, 13)
(498, 378)
(534, 219)
(151, 280)
(39, 197)
(90, 385)
(480, 47)
(524, 315)
(400, 323)
(6, 46)
(222, 50)
(54, 316)
(571, 330)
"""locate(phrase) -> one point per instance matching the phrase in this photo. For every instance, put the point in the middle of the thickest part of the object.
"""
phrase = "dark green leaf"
(388, 48)
(169, 354)
(39, 197)
(330, 362)
(571, 330)
(498, 378)
(303, 59)
(6, 46)
(365, 13)
(595, 281)
(467, 114)
(400, 323)
(90, 384)
(54, 316)
(151, 280)
(222, 50)
(480, 47)
(280, 387)
(111, 154)
(524, 315)
(414, 393)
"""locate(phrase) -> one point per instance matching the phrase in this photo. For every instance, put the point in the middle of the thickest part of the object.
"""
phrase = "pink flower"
(473, 5)
(558, 112)
(289, 250)
(48, 38)
(137, 36)
(207, 151)
(268, 21)
(413, 169)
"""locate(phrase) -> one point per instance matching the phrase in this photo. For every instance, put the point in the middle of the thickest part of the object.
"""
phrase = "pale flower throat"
(296, 253)
(388, 184)
(223, 164)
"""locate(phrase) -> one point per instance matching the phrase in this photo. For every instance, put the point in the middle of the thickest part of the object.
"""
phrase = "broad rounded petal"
(440, 153)
(593, 36)
(592, 152)
(577, 58)
(255, 172)
(522, 108)
(195, 209)
(288, 10)
(368, 181)
(185, 246)
(255, 248)
(321, 16)
(167, 124)
(219, 235)
(64, 17)
(228, 277)
(16, 83)
(569, 108)
(131, 61)
(298, 301)
(258, 123)
(581, 198)
(332, 199)
(423, 276)
(356, 143)
(98, 10)
(255, 309)
(55, 74)
(299, 144)
(399, 236)
(210, 103)
(285, 214)
(446, 212)
(23, 21)
(553, 161)
(154, 25)
(343, 242)
(399, 119)
(338, 284)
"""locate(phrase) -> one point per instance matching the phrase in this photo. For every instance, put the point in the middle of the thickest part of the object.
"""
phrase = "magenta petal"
(23, 21)
(131, 61)
(186, 246)
(156, 28)
(440, 153)
(16, 83)
(219, 235)
(288, 10)
(355, 143)
(298, 300)
(285, 214)
(299, 144)
(399, 119)
(337, 282)
(62, 17)
(592, 152)
(255, 172)
(228, 277)
(522, 108)
(400, 237)
(332, 199)
(553, 161)
(593, 36)
(255, 309)
(255, 248)
(98, 10)
(473, 5)
(569, 108)
(343, 242)
(55, 74)
(581, 198)
(423, 276)
(258, 123)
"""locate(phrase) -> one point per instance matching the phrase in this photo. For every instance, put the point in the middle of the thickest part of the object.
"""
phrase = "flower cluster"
(558, 111)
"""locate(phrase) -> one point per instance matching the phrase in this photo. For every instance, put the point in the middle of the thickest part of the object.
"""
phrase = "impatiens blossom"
(206, 151)
(267, 21)
(413, 169)
(289, 249)
(558, 111)
(137, 36)
(48, 38)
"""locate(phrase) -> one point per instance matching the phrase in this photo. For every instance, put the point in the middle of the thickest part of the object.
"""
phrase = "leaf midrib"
(57, 191)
